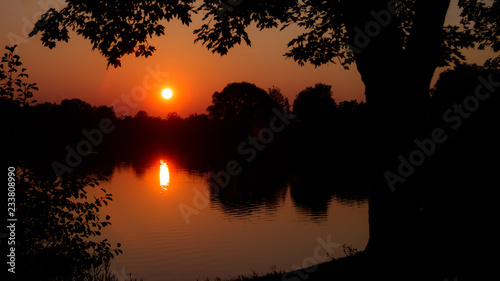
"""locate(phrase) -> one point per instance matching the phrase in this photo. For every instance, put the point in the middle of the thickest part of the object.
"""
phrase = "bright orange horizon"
(73, 70)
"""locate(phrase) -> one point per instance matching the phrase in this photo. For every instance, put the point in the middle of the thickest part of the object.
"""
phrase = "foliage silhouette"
(12, 85)
(454, 85)
(238, 112)
(60, 228)
(315, 104)
(464, 163)
(115, 28)
(279, 98)
(241, 101)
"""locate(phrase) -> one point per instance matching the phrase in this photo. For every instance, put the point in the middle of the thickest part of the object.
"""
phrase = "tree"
(314, 104)
(455, 84)
(141, 115)
(465, 159)
(279, 98)
(396, 46)
(114, 28)
(239, 110)
(173, 117)
(241, 102)
(73, 105)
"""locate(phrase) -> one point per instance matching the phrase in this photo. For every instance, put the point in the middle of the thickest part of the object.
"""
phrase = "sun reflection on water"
(164, 175)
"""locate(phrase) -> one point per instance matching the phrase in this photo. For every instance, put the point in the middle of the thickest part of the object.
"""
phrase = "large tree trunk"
(397, 80)
(395, 117)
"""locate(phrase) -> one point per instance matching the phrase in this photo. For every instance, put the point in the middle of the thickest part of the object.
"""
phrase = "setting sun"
(166, 93)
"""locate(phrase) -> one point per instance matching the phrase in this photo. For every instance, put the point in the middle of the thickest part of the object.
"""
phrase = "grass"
(103, 273)
(273, 275)
(342, 267)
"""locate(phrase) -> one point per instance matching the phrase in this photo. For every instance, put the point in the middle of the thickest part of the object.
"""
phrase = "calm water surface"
(218, 237)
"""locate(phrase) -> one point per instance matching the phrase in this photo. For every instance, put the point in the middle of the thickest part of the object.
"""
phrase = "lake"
(173, 227)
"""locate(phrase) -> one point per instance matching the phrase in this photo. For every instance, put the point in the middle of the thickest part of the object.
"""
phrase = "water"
(240, 231)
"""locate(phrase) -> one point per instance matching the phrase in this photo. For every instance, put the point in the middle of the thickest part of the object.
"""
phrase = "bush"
(60, 228)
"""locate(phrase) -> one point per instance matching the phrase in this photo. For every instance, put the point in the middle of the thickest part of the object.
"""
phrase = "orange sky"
(73, 70)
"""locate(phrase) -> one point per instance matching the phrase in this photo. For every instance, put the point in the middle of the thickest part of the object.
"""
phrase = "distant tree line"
(322, 134)
(43, 131)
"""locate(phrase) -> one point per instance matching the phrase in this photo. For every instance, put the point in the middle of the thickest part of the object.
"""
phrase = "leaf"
(116, 63)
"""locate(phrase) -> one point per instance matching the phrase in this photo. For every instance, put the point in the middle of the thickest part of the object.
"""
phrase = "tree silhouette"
(241, 102)
(238, 111)
(141, 115)
(279, 98)
(455, 84)
(76, 105)
(115, 28)
(173, 116)
(332, 28)
(464, 161)
(314, 104)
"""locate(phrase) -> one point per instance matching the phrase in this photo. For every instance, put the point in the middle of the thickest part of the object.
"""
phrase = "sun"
(166, 93)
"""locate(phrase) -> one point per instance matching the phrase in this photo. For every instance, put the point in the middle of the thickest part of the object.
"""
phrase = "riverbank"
(346, 268)
(473, 266)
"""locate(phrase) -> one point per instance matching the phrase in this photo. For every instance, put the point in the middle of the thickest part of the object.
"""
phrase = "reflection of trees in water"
(252, 191)
(311, 192)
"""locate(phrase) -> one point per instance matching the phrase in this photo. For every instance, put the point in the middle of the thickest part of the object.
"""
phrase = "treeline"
(243, 123)
(239, 125)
